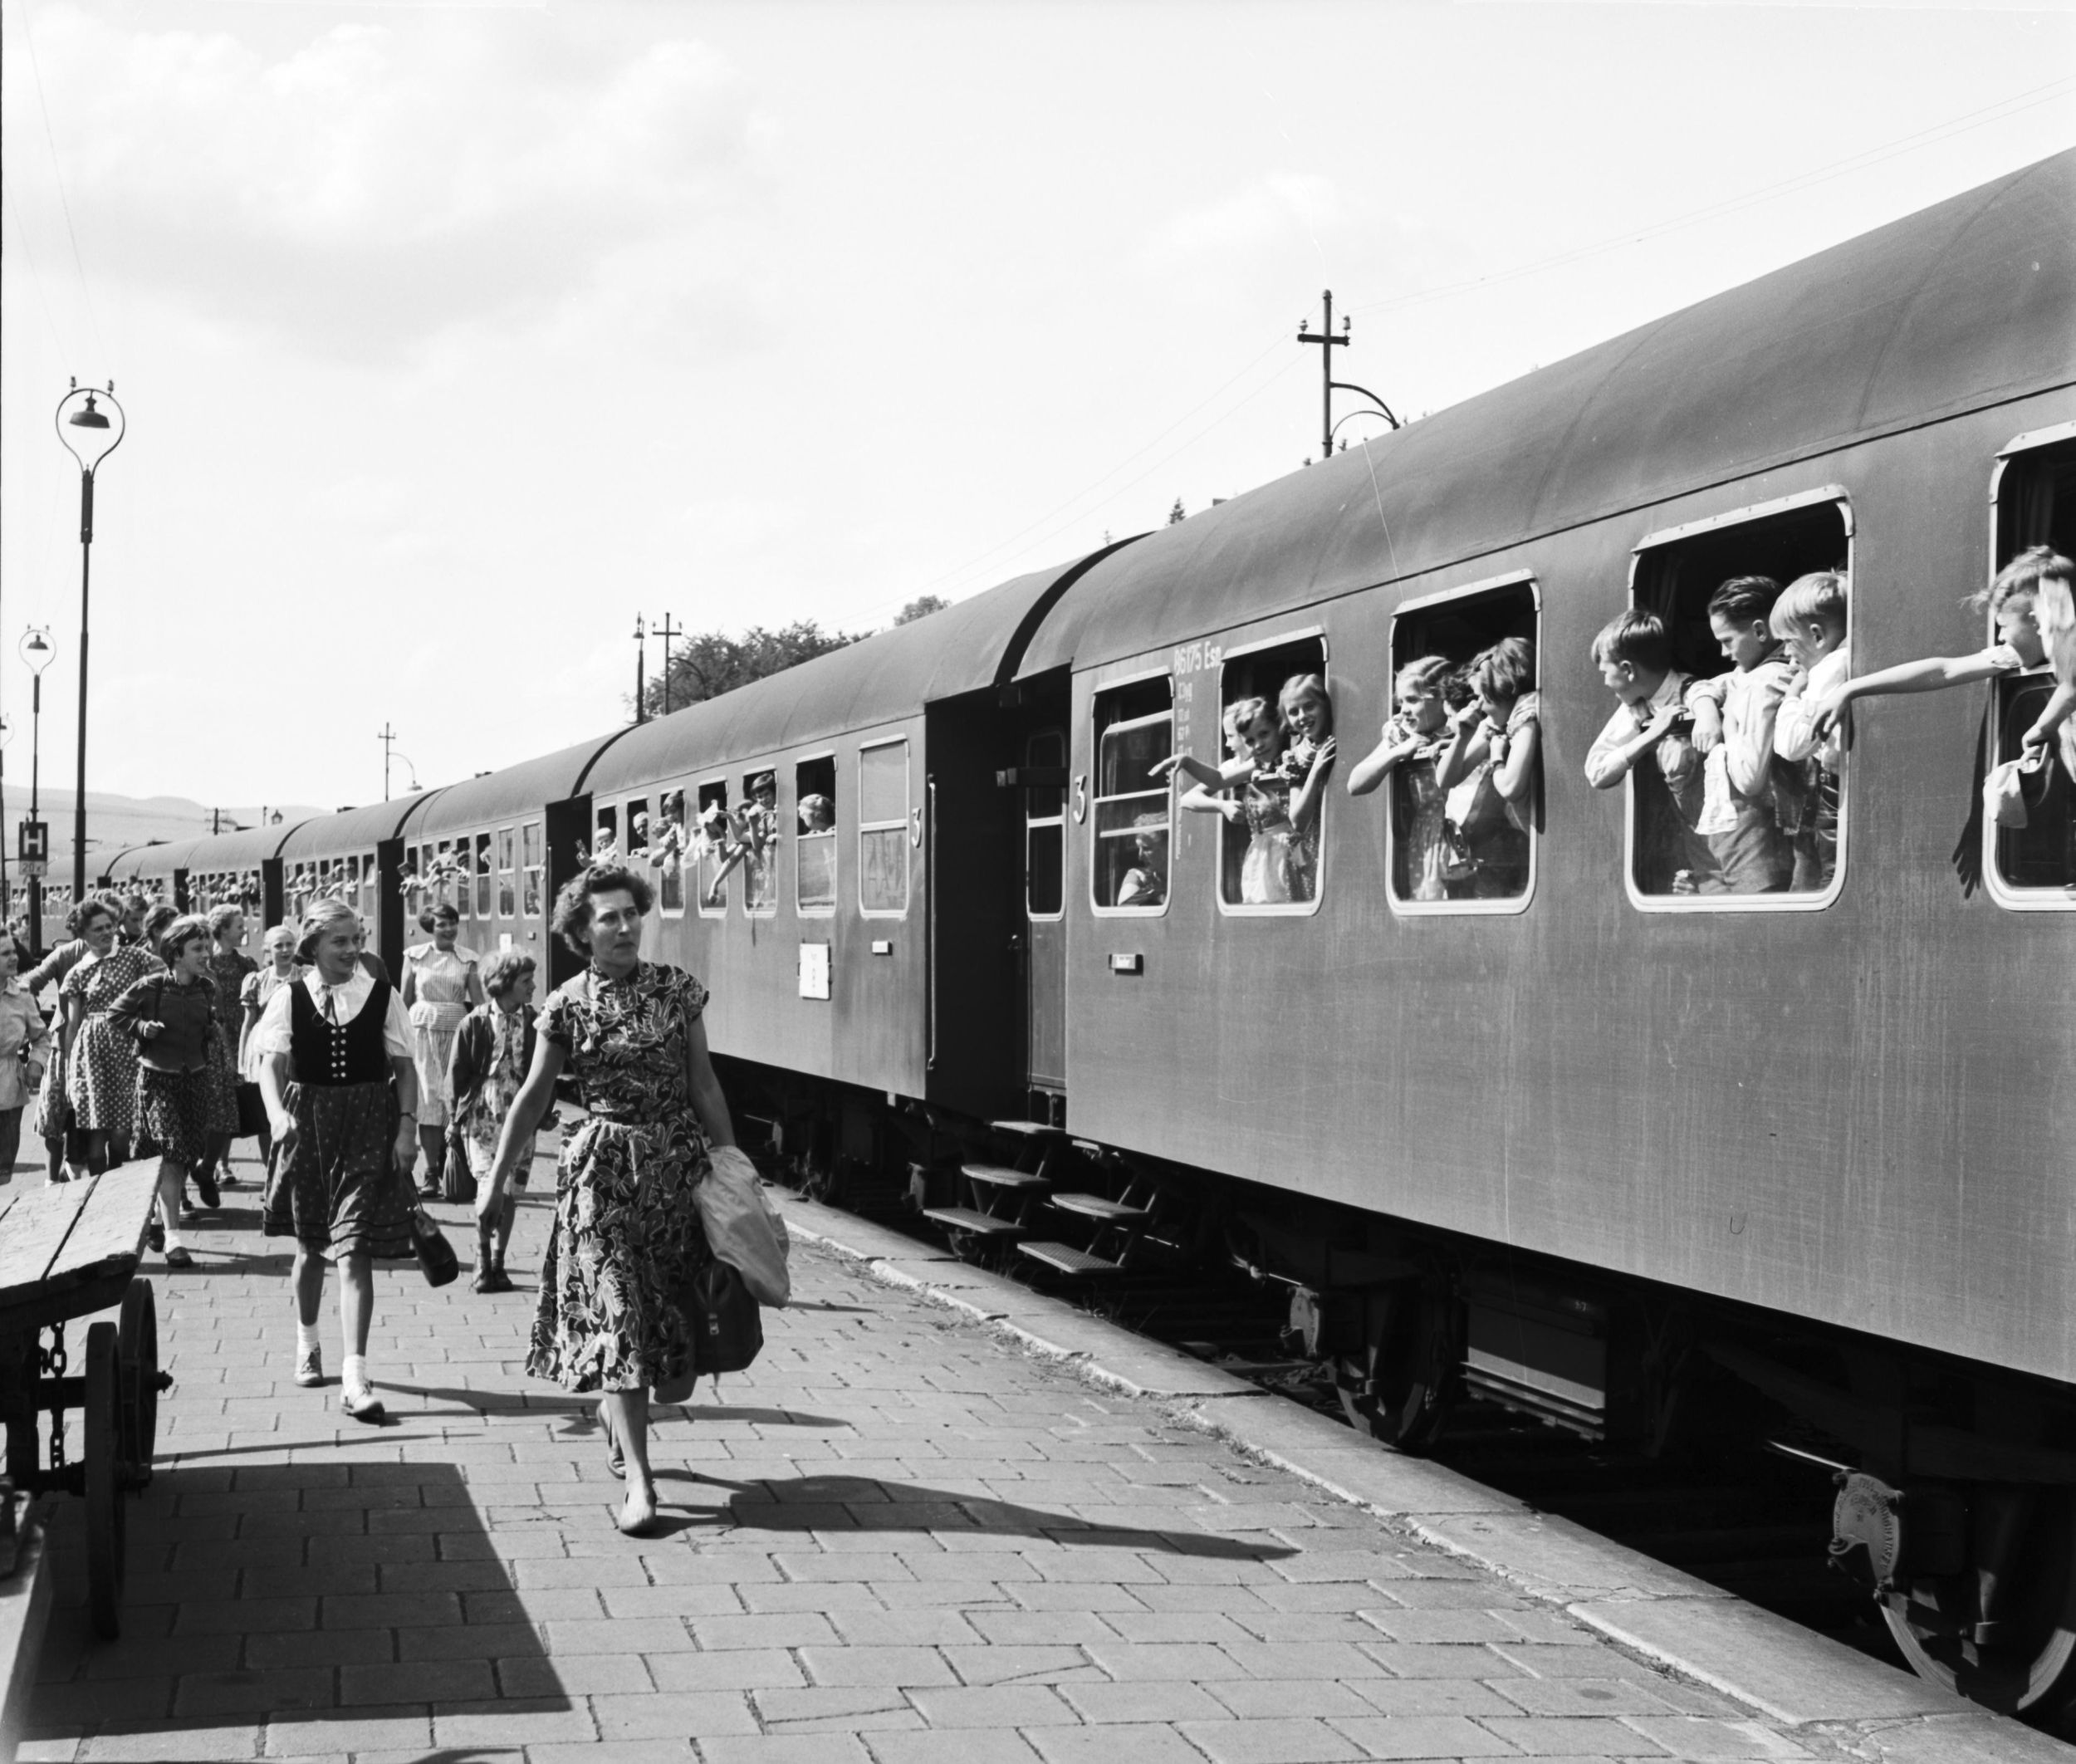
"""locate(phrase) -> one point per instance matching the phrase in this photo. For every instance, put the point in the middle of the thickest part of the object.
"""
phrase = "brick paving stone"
(898, 1539)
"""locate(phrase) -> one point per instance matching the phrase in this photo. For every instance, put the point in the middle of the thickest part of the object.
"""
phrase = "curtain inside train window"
(883, 828)
(1135, 729)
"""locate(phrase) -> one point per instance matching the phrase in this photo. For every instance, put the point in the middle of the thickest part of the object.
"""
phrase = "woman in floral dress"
(99, 1057)
(626, 1232)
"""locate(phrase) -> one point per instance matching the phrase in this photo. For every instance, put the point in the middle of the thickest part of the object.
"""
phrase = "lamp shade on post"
(89, 437)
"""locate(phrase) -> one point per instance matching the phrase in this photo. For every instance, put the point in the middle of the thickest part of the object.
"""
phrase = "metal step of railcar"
(1065, 1258)
(1001, 1176)
(1094, 1206)
(1030, 1130)
(972, 1219)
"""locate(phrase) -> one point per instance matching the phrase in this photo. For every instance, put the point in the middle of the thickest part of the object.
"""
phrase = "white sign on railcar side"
(814, 970)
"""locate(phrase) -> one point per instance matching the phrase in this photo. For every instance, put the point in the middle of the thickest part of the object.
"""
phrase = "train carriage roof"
(512, 793)
(246, 850)
(1971, 301)
(963, 649)
(354, 830)
(159, 859)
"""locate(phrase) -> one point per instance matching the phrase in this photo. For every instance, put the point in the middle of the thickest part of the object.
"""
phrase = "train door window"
(760, 834)
(605, 836)
(636, 812)
(347, 877)
(715, 844)
(508, 893)
(668, 851)
(883, 828)
(530, 869)
(1045, 828)
(1135, 730)
(1270, 823)
(370, 890)
(2031, 858)
(1759, 821)
(1461, 814)
(446, 869)
(814, 846)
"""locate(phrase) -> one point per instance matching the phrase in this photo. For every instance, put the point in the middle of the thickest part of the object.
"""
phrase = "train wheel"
(2030, 1669)
(106, 1537)
(137, 1353)
(1402, 1392)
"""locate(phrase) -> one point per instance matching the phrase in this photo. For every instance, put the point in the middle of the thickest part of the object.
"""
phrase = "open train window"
(713, 841)
(760, 835)
(507, 856)
(2034, 865)
(670, 837)
(1045, 828)
(883, 829)
(605, 833)
(484, 876)
(1273, 708)
(636, 849)
(814, 846)
(530, 869)
(1134, 731)
(1464, 801)
(1757, 821)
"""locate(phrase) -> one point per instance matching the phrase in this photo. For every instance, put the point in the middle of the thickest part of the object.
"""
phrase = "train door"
(388, 905)
(568, 826)
(1042, 775)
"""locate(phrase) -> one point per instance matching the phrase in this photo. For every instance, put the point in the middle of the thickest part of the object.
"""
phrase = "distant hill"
(114, 824)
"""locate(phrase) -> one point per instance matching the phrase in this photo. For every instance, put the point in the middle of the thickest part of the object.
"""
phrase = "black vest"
(328, 1053)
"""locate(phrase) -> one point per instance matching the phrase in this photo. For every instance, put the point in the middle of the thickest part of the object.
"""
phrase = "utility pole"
(641, 657)
(666, 631)
(387, 737)
(1328, 384)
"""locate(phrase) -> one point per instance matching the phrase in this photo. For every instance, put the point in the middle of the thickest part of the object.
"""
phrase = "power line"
(57, 173)
(42, 298)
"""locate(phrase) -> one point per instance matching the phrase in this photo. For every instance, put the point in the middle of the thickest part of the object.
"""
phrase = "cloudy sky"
(452, 336)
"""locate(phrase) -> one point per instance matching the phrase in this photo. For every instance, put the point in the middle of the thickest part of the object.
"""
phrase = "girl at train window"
(1489, 770)
(1272, 872)
(1410, 744)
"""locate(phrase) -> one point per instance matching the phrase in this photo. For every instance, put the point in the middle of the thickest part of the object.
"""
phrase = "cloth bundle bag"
(743, 1229)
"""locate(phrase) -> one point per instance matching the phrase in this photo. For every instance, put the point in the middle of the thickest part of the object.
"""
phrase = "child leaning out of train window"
(1652, 723)
(1810, 618)
(1271, 871)
(1145, 884)
(1743, 791)
(1410, 744)
(2030, 599)
(1489, 770)
(818, 814)
(1307, 760)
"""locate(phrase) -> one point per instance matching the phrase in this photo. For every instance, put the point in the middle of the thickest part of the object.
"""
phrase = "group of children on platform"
(1739, 772)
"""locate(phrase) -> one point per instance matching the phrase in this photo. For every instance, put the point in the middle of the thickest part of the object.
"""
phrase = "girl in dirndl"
(440, 987)
(336, 1067)
(185, 1099)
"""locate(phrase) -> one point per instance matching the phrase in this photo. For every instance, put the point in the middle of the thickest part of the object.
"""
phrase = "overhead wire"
(57, 173)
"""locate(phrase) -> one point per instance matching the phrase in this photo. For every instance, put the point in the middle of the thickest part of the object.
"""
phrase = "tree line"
(707, 664)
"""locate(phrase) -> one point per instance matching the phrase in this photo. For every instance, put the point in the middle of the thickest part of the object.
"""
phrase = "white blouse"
(273, 1033)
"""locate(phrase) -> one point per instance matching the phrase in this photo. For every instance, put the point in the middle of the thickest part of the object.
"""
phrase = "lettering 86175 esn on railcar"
(1746, 1060)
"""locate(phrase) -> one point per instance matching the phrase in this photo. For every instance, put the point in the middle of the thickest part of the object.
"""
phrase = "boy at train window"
(1650, 721)
(1742, 787)
(2014, 598)
(1810, 618)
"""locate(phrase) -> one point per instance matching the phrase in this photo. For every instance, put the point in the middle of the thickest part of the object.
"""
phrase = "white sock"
(172, 1238)
(306, 1339)
(355, 1374)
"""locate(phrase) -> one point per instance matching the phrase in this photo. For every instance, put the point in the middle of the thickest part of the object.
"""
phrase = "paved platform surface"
(908, 1536)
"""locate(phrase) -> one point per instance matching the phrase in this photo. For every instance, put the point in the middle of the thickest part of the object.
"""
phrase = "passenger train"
(1591, 1146)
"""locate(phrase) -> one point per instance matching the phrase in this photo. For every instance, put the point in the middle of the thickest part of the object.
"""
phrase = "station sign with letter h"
(32, 850)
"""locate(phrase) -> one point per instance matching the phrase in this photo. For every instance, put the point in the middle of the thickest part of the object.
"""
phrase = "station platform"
(944, 1520)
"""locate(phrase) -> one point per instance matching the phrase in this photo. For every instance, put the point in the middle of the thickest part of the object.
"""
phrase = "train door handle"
(1080, 797)
(915, 827)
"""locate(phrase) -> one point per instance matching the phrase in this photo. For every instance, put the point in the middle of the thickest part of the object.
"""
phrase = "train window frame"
(1093, 800)
(707, 907)
(532, 869)
(1751, 514)
(670, 873)
(2014, 897)
(905, 825)
(507, 851)
(607, 815)
(482, 862)
(1034, 823)
(768, 907)
(1227, 655)
(1509, 906)
(833, 834)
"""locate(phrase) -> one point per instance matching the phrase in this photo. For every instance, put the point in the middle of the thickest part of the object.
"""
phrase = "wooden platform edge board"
(25, 1615)
(113, 1210)
(112, 1223)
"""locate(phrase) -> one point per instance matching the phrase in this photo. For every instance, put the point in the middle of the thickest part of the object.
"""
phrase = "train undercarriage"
(1954, 1484)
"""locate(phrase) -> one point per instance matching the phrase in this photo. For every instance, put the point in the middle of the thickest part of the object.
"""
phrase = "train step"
(1094, 1206)
(1030, 1130)
(1001, 1176)
(968, 1219)
(1066, 1259)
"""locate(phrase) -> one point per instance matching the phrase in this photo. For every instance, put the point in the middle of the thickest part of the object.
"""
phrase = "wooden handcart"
(66, 1251)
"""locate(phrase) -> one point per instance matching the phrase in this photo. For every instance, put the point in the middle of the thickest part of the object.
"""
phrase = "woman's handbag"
(251, 1111)
(743, 1228)
(436, 1256)
(458, 1182)
(728, 1332)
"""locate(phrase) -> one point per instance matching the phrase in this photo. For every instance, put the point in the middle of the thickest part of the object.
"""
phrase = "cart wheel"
(137, 1353)
(105, 1538)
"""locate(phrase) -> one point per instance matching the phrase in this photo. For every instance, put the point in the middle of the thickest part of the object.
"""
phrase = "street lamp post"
(97, 438)
(641, 659)
(38, 652)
